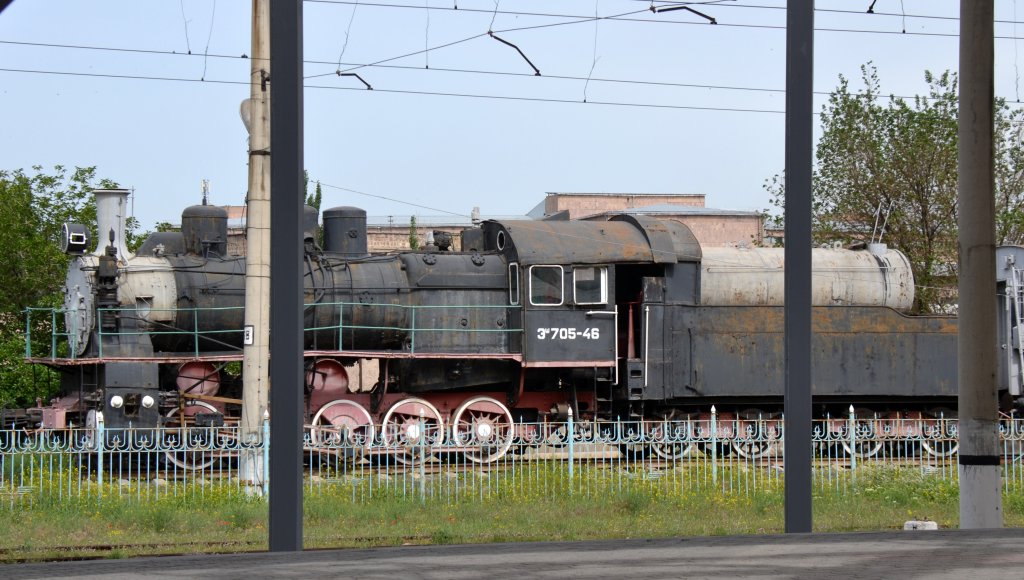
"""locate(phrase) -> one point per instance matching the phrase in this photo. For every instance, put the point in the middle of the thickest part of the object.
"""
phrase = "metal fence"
(527, 459)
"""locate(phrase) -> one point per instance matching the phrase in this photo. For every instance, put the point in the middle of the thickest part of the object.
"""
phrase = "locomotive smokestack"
(111, 215)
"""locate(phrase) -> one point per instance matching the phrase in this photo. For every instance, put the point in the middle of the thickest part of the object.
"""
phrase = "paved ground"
(905, 555)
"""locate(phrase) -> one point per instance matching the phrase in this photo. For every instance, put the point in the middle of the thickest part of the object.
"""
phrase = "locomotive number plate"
(592, 333)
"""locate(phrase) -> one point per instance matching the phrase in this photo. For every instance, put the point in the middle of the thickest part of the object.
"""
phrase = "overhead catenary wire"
(184, 19)
(627, 18)
(356, 66)
(209, 37)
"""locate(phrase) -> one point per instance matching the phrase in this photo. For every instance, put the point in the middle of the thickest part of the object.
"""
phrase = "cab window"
(513, 284)
(546, 285)
(590, 285)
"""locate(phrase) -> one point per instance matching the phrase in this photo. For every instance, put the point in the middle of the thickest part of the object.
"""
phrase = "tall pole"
(980, 496)
(255, 350)
(799, 160)
(286, 290)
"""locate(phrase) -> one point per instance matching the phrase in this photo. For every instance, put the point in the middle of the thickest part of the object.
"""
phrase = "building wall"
(580, 205)
(396, 238)
(725, 230)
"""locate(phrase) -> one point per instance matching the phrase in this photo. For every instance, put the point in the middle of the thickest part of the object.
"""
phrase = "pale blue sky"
(450, 153)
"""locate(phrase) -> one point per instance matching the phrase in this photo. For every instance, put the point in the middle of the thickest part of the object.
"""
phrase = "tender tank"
(345, 232)
(754, 277)
(205, 229)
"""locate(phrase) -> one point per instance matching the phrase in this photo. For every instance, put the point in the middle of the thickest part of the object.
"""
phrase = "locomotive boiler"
(627, 318)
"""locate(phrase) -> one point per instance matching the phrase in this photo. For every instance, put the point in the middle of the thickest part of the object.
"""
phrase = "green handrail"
(197, 334)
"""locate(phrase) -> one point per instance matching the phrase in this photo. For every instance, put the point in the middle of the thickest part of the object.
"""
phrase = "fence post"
(714, 445)
(423, 457)
(100, 437)
(853, 439)
(570, 433)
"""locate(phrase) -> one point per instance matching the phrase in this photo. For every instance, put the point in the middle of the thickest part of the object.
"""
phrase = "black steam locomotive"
(627, 318)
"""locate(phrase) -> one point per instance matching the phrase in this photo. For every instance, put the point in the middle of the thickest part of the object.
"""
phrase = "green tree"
(312, 199)
(414, 236)
(887, 168)
(35, 207)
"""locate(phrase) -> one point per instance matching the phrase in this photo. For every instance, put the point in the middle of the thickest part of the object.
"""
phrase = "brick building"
(712, 227)
(582, 205)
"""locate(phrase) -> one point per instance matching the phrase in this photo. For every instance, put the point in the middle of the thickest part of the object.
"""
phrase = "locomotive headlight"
(116, 402)
(148, 402)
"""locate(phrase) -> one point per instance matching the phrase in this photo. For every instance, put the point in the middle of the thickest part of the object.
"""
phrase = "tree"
(35, 207)
(312, 199)
(414, 236)
(889, 172)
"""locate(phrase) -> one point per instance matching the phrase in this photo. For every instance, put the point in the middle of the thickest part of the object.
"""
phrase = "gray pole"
(799, 161)
(980, 496)
(286, 276)
(255, 351)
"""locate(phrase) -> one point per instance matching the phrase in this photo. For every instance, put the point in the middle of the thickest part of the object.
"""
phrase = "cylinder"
(345, 232)
(111, 219)
(309, 223)
(754, 277)
(205, 229)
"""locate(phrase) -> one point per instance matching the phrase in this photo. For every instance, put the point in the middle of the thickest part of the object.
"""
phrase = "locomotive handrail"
(201, 338)
(412, 328)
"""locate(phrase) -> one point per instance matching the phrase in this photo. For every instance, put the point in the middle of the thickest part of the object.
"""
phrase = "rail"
(730, 455)
(201, 336)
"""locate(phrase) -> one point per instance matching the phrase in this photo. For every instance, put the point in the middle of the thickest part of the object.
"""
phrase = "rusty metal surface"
(858, 352)
(754, 277)
(586, 242)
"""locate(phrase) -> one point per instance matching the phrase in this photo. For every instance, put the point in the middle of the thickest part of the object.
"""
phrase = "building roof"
(677, 209)
(436, 221)
(624, 194)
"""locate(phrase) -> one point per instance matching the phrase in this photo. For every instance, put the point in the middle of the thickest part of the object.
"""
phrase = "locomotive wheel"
(485, 426)
(863, 449)
(750, 440)
(868, 429)
(751, 449)
(941, 448)
(410, 426)
(342, 427)
(946, 443)
(661, 436)
(178, 436)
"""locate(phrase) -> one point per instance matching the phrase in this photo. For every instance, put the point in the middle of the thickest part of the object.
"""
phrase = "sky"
(631, 101)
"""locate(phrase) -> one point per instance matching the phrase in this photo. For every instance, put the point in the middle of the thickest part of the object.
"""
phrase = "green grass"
(542, 504)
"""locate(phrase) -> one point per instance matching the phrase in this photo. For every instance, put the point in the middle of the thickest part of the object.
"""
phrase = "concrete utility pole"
(980, 498)
(255, 351)
(797, 317)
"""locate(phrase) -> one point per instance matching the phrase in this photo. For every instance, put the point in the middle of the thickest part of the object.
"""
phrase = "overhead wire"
(209, 36)
(188, 45)
(626, 18)
(355, 66)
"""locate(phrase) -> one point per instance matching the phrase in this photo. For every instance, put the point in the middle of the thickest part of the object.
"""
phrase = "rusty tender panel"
(860, 353)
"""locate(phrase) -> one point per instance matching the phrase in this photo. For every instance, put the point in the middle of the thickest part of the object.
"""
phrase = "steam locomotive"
(628, 318)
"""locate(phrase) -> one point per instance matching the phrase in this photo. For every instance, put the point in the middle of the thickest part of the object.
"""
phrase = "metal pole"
(286, 181)
(255, 350)
(799, 160)
(980, 499)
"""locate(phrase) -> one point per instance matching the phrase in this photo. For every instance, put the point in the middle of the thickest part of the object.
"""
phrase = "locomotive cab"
(578, 287)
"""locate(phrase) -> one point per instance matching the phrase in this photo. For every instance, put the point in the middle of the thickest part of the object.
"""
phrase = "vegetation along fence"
(425, 461)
